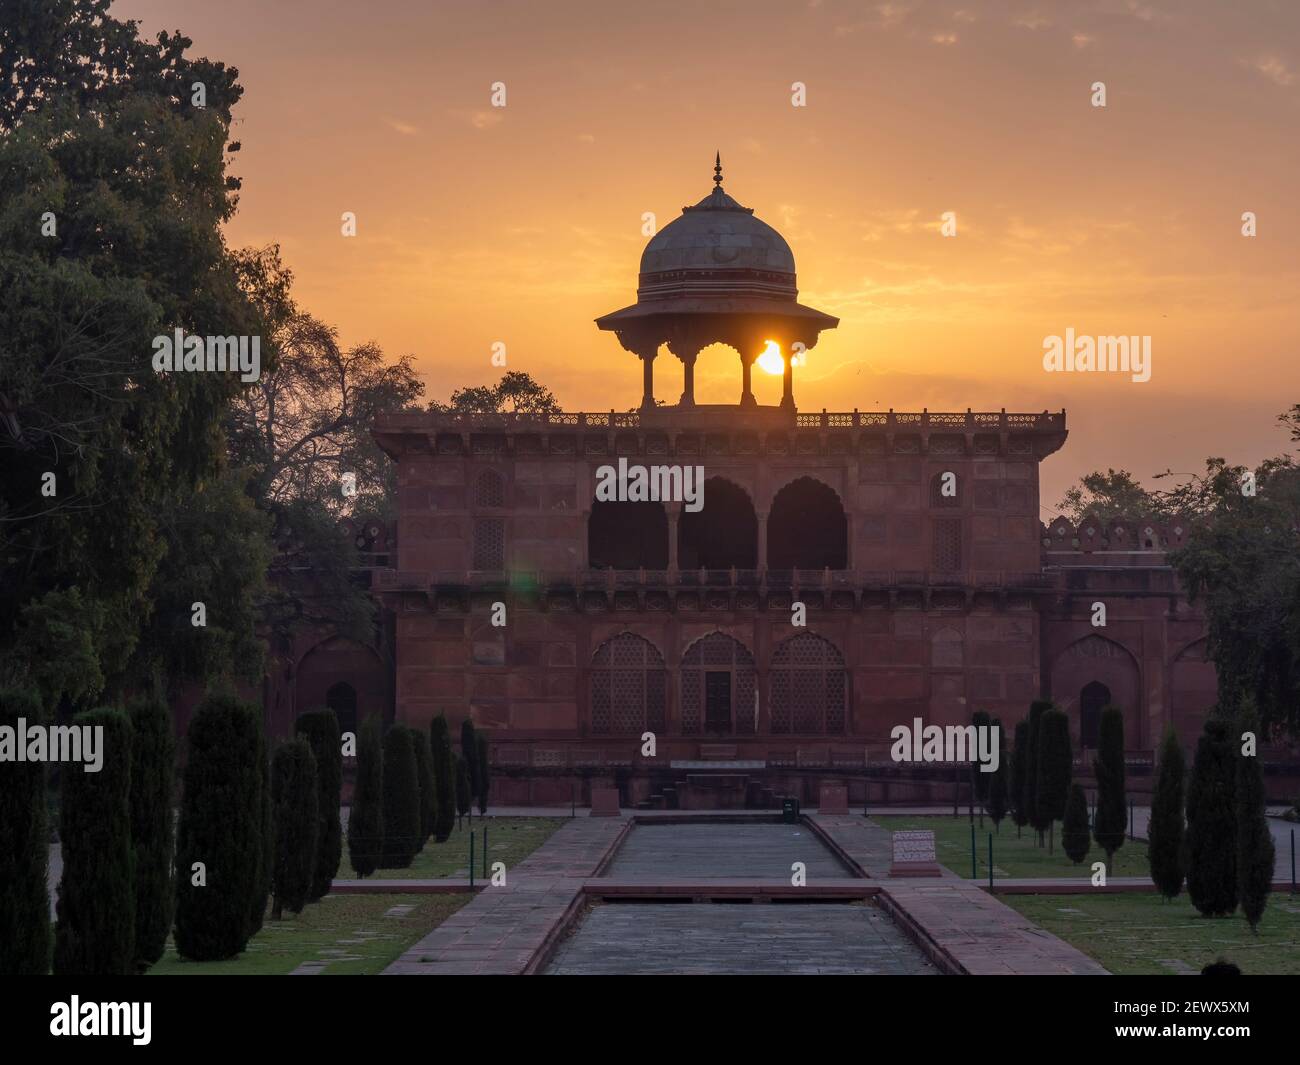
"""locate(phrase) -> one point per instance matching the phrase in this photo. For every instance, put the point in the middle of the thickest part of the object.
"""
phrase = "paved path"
(505, 928)
(961, 922)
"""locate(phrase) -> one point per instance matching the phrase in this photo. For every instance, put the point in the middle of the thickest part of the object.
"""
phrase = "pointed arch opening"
(807, 528)
(810, 687)
(723, 533)
(628, 687)
(719, 688)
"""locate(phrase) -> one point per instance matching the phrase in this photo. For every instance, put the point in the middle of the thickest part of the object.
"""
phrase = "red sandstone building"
(913, 540)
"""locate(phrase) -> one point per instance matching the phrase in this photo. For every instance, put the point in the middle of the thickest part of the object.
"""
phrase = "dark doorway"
(622, 535)
(721, 535)
(807, 528)
(717, 701)
(1094, 698)
(342, 699)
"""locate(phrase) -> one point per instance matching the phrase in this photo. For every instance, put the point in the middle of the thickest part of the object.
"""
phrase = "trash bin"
(790, 811)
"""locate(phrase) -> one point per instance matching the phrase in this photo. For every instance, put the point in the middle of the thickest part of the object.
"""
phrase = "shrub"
(294, 791)
(1075, 831)
(366, 819)
(444, 776)
(24, 850)
(1036, 711)
(401, 800)
(463, 796)
(320, 728)
(221, 826)
(1166, 834)
(95, 929)
(261, 887)
(153, 756)
(979, 781)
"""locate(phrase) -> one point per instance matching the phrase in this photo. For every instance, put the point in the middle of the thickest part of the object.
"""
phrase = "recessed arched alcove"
(806, 528)
(721, 535)
(624, 535)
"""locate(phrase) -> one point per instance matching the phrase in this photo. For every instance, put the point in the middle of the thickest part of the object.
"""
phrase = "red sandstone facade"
(940, 605)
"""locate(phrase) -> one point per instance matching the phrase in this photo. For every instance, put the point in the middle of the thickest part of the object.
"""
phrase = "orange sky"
(479, 224)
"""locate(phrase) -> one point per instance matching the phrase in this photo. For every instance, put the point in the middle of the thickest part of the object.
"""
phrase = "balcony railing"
(752, 579)
(978, 421)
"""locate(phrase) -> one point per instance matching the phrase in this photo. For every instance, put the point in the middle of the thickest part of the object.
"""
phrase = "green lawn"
(1013, 857)
(510, 840)
(355, 929)
(1138, 934)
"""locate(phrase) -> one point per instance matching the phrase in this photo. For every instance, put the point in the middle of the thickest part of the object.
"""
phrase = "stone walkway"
(506, 929)
(961, 923)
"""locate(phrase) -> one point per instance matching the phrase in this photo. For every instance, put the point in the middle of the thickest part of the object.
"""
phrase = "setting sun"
(771, 361)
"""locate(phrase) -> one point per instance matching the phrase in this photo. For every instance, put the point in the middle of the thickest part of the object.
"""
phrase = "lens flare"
(771, 361)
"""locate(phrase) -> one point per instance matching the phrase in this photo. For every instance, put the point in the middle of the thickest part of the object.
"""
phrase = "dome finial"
(717, 169)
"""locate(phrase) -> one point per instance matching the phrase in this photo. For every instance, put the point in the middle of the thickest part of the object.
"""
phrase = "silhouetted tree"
(1075, 830)
(366, 818)
(428, 785)
(469, 752)
(153, 756)
(484, 777)
(294, 795)
(320, 728)
(997, 800)
(1020, 761)
(219, 835)
(1036, 711)
(1254, 841)
(401, 800)
(444, 775)
(1108, 767)
(24, 850)
(462, 787)
(261, 888)
(95, 930)
(980, 781)
(1166, 837)
(1054, 768)
(1212, 823)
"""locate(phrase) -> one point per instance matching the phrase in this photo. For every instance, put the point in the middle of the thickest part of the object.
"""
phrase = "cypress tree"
(1108, 766)
(444, 776)
(95, 930)
(221, 827)
(153, 756)
(483, 774)
(1165, 833)
(261, 886)
(1254, 841)
(428, 788)
(1212, 823)
(979, 781)
(469, 752)
(1074, 831)
(294, 795)
(1019, 786)
(998, 783)
(463, 796)
(366, 819)
(24, 850)
(1036, 711)
(320, 728)
(401, 800)
(1054, 765)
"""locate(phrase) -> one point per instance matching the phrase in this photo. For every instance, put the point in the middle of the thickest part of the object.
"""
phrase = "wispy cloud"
(1273, 68)
(404, 128)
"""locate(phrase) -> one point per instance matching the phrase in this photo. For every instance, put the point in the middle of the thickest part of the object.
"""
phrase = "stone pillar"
(688, 380)
(746, 391)
(787, 382)
(762, 541)
(648, 379)
(674, 513)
